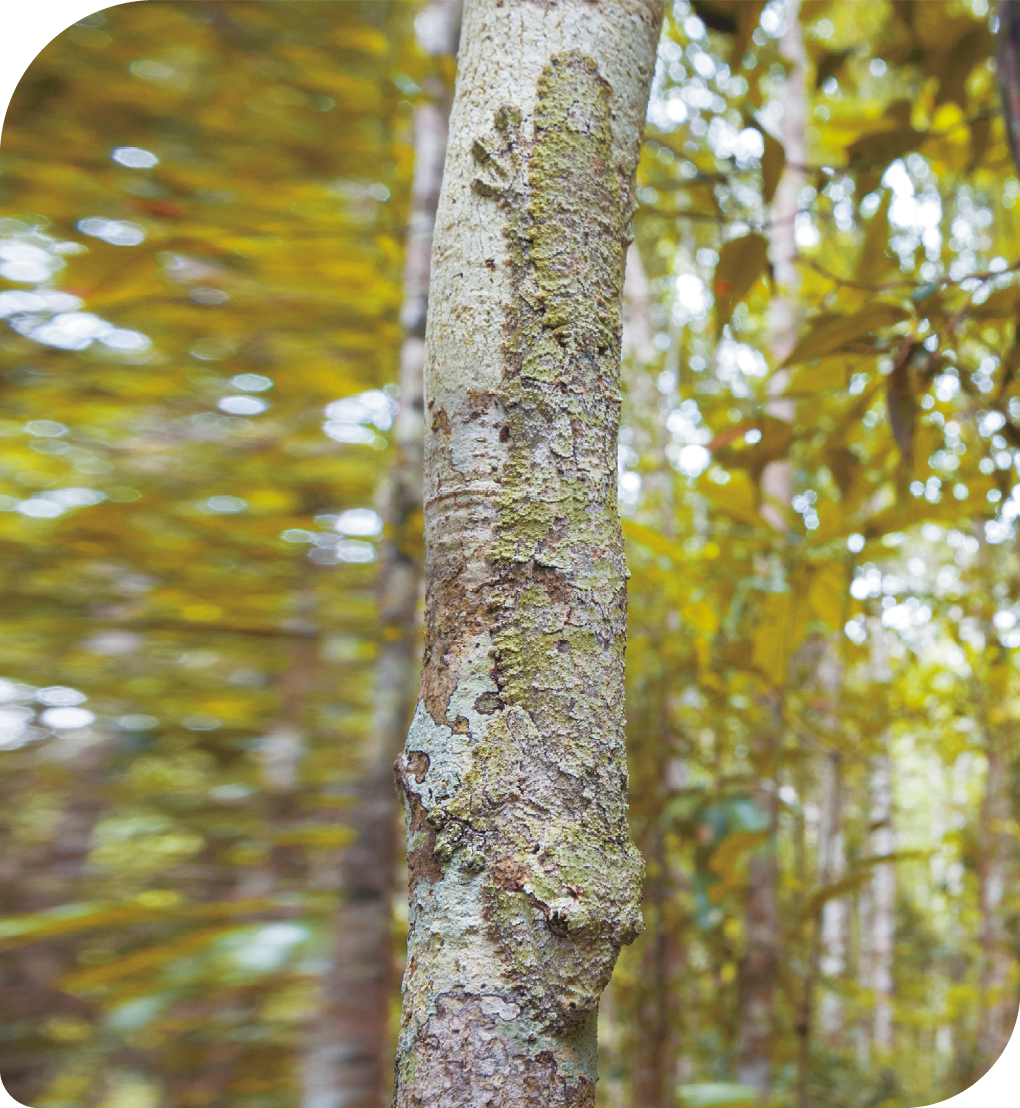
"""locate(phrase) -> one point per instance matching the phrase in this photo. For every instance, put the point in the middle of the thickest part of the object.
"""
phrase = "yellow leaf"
(724, 857)
(737, 498)
(140, 961)
(701, 615)
(770, 645)
(825, 594)
(638, 532)
(827, 375)
(830, 335)
(741, 262)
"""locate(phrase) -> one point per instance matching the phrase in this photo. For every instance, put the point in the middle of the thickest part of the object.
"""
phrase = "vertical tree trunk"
(996, 869)
(524, 883)
(653, 1000)
(757, 981)
(36, 878)
(883, 899)
(785, 308)
(348, 1058)
(834, 913)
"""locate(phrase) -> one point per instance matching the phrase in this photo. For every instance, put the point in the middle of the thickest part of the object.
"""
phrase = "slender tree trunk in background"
(348, 1060)
(785, 308)
(829, 851)
(865, 929)
(33, 880)
(1008, 65)
(996, 871)
(524, 883)
(883, 899)
(758, 968)
(654, 1001)
(834, 913)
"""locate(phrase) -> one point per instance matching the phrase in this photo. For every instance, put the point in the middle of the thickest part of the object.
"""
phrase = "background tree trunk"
(883, 899)
(524, 883)
(38, 877)
(834, 913)
(348, 1059)
(757, 980)
(996, 869)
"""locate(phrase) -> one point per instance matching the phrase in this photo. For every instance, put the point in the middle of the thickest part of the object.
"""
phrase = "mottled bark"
(996, 871)
(524, 883)
(347, 1063)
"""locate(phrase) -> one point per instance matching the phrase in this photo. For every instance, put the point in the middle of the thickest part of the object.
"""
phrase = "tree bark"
(996, 870)
(758, 968)
(36, 878)
(832, 962)
(1007, 58)
(348, 1058)
(883, 901)
(524, 882)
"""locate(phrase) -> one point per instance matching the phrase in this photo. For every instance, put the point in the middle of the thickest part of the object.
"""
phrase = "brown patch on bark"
(440, 422)
(417, 762)
(421, 862)
(510, 874)
(480, 403)
(488, 703)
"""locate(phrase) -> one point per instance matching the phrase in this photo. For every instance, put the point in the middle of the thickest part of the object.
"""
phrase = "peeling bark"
(524, 881)
(347, 1060)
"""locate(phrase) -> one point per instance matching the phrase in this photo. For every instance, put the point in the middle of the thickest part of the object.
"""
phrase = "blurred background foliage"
(202, 223)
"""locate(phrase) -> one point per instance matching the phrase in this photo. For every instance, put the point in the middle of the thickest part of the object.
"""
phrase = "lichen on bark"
(524, 881)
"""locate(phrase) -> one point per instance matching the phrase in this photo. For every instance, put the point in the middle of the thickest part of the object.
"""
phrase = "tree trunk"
(524, 883)
(36, 878)
(834, 913)
(883, 901)
(348, 1059)
(757, 981)
(996, 870)
(653, 1000)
